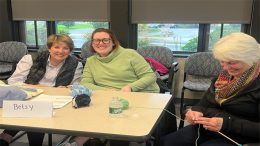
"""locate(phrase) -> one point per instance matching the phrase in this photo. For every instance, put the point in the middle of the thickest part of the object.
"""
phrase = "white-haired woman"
(231, 105)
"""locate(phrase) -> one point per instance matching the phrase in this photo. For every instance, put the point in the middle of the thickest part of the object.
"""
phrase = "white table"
(137, 122)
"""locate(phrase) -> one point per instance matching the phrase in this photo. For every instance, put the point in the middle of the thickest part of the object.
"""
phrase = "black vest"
(38, 69)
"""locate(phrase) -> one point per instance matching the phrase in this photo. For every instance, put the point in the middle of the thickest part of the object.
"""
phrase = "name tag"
(13, 108)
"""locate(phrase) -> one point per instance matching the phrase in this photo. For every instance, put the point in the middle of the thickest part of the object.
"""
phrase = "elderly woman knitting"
(229, 113)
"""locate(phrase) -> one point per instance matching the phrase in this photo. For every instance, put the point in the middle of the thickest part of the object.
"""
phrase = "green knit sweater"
(120, 68)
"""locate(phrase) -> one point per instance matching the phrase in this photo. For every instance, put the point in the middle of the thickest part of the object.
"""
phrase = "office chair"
(42, 48)
(199, 69)
(85, 52)
(165, 56)
(10, 54)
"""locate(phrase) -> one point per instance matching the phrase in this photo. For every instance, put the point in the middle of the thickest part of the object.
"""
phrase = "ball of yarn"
(80, 89)
(124, 102)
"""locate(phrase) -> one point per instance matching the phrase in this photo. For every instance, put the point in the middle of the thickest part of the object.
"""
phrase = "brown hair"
(110, 33)
(54, 38)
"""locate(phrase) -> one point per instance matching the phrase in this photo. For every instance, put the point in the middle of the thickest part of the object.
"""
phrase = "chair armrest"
(175, 66)
(173, 69)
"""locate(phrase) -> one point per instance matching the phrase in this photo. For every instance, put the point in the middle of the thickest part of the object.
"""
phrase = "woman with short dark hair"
(54, 67)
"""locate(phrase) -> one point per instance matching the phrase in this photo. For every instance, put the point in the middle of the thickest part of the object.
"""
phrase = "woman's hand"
(126, 88)
(212, 124)
(192, 116)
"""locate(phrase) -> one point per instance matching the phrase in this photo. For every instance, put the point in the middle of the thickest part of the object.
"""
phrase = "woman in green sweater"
(113, 67)
(116, 68)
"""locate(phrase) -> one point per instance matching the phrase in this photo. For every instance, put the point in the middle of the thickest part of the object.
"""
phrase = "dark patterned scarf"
(226, 87)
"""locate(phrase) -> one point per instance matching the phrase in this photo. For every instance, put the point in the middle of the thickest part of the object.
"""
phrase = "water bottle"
(115, 107)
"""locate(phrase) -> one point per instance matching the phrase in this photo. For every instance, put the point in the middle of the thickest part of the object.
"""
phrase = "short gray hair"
(237, 46)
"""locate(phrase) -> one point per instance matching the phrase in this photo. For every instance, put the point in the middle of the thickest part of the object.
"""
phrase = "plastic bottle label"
(115, 110)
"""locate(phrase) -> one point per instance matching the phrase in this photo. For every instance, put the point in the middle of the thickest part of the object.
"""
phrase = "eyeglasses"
(97, 41)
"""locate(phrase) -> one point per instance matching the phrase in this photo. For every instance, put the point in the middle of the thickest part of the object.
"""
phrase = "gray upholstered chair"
(10, 54)
(85, 52)
(199, 69)
(165, 56)
(43, 48)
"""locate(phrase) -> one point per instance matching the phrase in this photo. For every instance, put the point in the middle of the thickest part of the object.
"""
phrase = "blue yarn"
(80, 89)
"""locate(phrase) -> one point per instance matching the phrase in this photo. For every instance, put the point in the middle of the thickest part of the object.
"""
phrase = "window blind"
(191, 11)
(54, 10)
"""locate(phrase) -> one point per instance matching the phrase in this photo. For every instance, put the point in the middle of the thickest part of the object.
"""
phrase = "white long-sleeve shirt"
(23, 68)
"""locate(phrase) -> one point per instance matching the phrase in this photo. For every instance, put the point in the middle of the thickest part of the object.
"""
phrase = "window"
(177, 37)
(186, 28)
(79, 31)
(219, 30)
(35, 33)
(182, 38)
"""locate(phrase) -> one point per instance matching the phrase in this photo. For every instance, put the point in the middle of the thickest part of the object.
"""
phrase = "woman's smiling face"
(234, 68)
(59, 51)
(102, 43)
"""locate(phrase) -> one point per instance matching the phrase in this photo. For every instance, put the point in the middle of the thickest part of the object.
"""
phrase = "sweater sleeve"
(240, 126)
(22, 70)
(88, 80)
(234, 124)
(77, 74)
(144, 72)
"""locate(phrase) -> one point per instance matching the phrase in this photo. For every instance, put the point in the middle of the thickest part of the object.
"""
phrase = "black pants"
(34, 138)
(187, 137)
(119, 143)
(166, 125)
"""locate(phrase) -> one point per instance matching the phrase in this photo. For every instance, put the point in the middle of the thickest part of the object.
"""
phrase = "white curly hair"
(239, 47)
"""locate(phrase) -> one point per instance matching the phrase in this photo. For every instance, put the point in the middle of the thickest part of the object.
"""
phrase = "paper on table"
(58, 101)
(31, 92)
